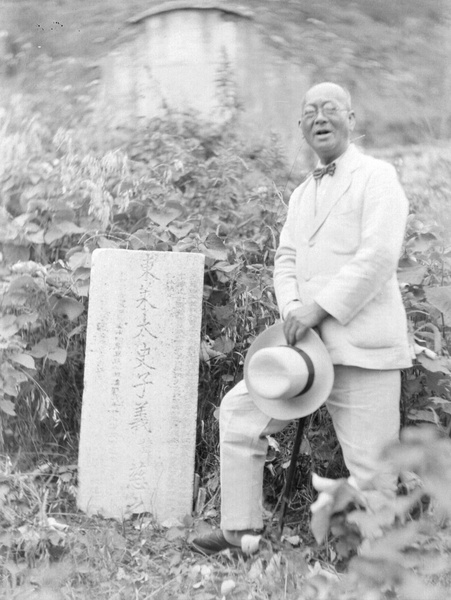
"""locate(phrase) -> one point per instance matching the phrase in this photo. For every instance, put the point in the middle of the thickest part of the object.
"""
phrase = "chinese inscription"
(141, 375)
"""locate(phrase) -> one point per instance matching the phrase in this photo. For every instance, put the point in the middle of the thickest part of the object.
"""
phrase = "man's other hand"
(299, 320)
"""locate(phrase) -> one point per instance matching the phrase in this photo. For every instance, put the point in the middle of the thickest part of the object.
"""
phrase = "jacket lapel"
(309, 200)
(342, 181)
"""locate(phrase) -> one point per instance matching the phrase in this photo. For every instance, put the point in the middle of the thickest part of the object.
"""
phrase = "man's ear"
(351, 117)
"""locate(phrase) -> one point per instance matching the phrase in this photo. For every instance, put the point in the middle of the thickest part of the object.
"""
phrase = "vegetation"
(68, 186)
(179, 185)
(393, 56)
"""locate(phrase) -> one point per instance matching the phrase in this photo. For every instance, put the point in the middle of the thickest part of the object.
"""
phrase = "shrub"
(176, 185)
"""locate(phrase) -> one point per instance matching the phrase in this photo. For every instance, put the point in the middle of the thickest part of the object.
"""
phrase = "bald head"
(327, 120)
(328, 88)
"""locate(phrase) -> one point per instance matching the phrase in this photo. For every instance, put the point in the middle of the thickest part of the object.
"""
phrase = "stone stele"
(138, 422)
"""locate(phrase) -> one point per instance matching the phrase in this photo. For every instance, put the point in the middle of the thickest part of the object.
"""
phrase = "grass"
(50, 551)
(50, 548)
(47, 545)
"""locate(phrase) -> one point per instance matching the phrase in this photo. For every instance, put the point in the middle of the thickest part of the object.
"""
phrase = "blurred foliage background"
(393, 56)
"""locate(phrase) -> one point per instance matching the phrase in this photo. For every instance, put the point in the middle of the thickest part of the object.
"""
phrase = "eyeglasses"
(328, 110)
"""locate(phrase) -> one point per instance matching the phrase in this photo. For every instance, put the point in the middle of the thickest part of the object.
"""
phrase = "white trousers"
(364, 406)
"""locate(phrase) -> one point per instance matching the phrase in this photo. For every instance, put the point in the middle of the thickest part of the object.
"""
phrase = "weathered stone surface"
(208, 60)
(138, 422)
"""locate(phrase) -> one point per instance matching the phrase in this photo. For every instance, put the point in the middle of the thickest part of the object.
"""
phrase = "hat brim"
(303, 404)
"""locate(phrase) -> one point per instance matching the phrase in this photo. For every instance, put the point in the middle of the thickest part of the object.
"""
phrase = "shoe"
(213, 543)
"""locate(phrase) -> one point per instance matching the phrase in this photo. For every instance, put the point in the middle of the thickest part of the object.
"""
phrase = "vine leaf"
(7, 407)
(214, 247)
(8, 326)
(170, 212)
(68, 307)
(440, 297)
(24, 359)
(181, 231)
(12, 378)
(436, 365)
(48, 348)
(79, 259)
(142, 238)
(412, 275)
(57, 231)
(421, 242)
(223, 344)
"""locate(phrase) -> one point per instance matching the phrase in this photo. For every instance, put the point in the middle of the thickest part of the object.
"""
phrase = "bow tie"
(327, 170)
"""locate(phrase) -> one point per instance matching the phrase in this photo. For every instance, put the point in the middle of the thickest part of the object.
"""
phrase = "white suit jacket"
(344, 256)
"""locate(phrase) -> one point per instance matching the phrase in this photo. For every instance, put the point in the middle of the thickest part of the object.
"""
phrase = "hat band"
(310, 369)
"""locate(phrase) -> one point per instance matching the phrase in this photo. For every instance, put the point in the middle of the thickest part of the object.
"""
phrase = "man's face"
(327, 121)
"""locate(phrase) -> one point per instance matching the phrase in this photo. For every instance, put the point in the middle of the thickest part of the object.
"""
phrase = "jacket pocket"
(378, 326)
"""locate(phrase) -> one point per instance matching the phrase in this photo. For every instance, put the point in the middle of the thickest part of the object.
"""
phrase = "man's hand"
(301, 319)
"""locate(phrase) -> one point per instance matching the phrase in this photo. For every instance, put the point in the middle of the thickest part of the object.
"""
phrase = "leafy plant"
(396, 553)
(425, 277)
(177, 185)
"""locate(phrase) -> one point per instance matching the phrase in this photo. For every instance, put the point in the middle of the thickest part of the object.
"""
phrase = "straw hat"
(288, 382)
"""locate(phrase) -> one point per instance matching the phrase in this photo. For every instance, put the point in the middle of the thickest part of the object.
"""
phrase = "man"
(335, 269)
